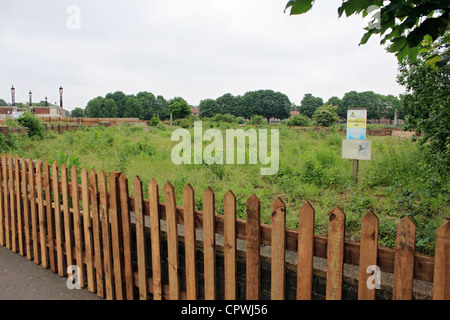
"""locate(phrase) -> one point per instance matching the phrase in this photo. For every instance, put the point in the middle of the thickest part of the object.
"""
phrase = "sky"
(196, 49)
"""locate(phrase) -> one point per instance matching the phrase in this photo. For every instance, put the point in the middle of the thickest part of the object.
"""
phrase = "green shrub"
(298, 121)
(325, 115)
(34, 125)
(184, 123)
(256, 120)
(154, 121)
(227, 118)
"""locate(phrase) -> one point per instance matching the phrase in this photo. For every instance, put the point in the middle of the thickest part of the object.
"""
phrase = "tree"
(209, 108)
(77, 113)
(148, 102)
(230, 104)
(361, 100)
(266, 103)
(406, 26)
(390, 104)
(109, 109)
(426, 104)
(310, 104)
(325, 115)
(94, 108)
(335, 101)
(133, 108)
(179, 108)
(120, 99)
(3, 103)
(161, 108)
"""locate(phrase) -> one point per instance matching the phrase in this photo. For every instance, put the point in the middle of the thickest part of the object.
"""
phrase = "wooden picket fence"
(59, 217)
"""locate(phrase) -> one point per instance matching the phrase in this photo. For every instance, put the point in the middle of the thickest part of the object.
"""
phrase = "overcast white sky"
(195, 49)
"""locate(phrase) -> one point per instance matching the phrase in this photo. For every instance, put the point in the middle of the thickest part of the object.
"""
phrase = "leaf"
(354, 6)
(432, 60)
(397, 45)
(299, 6)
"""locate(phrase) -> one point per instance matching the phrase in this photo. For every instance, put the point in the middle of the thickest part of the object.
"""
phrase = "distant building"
(295, 113)
(195, 111)
(11, 112)
(48, 111)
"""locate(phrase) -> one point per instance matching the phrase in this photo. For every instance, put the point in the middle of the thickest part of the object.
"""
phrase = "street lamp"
(13, 96)
(61, 96)
(31, 98)
(46, 101)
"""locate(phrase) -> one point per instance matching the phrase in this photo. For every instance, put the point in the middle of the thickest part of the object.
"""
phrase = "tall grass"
(396, 183)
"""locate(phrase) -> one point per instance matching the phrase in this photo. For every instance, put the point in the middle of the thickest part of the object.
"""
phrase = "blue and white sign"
(356, 124)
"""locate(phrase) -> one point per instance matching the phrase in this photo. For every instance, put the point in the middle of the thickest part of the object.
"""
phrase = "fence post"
(40, 199)
(278, 247)
(368, 254)
(253, 248)
(209, 244)
(96, 230)
(305, 255)
(155, 234)
(88, 243)
(68, 224)
(172, 242)
(26, 207)
(19, 205)
(335, 254)
(6, 201)
(189, 242)
(404, 259)
(441, 285)
(34, 219)
(106, 235)
(49, 214)
(140, 238)
(126, 232)
(12, 204)
(116, 231)
(229, 212)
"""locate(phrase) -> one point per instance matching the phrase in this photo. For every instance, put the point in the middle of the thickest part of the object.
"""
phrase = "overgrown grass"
(398, 181)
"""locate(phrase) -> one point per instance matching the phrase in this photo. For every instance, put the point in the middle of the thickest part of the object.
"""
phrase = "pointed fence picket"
(94, 223)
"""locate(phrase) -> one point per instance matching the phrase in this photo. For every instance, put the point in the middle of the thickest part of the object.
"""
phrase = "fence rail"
(59, 217)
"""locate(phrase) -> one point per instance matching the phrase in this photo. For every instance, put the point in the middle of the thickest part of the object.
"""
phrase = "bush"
(227, 118)
(184, 123)
(34, 125)
(240, 120)
(325, 115)
(256, 120)
(298, 121)
(154, 121)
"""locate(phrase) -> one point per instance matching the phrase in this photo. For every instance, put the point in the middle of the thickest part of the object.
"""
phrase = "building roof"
(195, 110)
(295, 113)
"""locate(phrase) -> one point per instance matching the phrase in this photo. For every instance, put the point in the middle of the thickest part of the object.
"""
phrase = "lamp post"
(13, 96)
(46, 101)
(61, 96)
(31, 98)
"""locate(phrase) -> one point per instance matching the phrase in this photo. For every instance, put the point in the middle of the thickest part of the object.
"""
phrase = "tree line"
(265, 103)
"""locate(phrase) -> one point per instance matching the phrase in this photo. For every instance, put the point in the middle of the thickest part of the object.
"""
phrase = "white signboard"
(357, 149)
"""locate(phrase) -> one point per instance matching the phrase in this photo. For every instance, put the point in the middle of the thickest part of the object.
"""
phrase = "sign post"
(355, 147)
